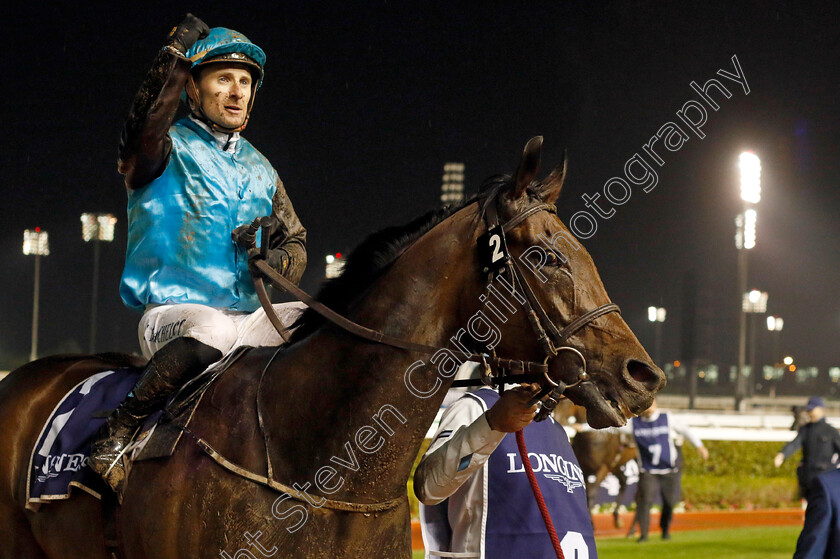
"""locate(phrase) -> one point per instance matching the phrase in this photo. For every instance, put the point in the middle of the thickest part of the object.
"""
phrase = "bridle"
(495, 371)
(552, 340)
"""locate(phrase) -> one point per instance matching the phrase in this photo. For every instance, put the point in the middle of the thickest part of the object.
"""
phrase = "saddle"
(161, 432)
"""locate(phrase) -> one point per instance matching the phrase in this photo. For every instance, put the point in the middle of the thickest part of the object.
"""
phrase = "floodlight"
(750, 166)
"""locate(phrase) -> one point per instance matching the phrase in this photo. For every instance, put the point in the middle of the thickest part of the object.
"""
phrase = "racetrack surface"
(705, 520)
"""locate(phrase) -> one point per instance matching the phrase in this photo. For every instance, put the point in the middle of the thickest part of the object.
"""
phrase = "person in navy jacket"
(476, 501)
(820, 537)
(820, 444)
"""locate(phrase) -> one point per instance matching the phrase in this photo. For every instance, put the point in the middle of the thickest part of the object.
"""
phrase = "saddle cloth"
(59, 460)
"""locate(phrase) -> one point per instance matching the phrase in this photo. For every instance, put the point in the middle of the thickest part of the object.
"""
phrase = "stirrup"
(117, 471)
(118, 459)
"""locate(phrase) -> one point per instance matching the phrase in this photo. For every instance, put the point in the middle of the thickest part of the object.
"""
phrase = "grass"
(743, 543)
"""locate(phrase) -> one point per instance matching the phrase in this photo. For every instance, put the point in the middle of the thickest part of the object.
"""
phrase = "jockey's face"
(224, 91)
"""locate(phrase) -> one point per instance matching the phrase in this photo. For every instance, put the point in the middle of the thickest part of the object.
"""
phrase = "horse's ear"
(528, 167)
(553, 183)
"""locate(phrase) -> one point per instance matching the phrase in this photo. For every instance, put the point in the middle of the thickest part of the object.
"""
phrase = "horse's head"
(800, 417)
(583, 330)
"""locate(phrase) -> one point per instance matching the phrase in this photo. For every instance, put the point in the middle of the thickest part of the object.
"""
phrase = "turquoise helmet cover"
(223, 44)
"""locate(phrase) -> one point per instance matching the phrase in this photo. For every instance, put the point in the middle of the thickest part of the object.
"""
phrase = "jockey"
(189, 185)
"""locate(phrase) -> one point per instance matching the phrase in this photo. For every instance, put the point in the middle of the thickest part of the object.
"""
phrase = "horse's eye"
(553, 259)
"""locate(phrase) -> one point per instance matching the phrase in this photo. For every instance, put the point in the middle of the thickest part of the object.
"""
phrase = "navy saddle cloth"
(60, 458)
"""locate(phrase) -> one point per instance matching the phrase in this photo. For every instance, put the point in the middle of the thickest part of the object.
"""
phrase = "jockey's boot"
(170, 368)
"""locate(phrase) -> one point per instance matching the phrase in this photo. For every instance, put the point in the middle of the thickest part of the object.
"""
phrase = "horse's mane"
(370, 259)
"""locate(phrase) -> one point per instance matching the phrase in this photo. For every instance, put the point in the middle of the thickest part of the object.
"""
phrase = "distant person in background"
(660, 459)
(820, 537)
(820, 444)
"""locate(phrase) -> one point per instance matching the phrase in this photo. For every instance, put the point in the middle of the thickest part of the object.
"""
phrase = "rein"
(552, 342)
(530, 370)
(551, 339)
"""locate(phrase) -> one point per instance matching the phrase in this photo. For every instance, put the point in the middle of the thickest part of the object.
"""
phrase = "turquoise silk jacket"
(179, 245)
(185, 197)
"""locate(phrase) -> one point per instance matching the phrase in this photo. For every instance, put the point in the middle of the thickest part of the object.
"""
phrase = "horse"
(305, 450)
(599, 454)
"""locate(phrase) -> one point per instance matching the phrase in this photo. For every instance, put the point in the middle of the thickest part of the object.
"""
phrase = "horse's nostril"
(644, 374)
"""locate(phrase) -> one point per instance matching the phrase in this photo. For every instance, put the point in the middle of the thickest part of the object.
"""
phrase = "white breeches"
(219, 328)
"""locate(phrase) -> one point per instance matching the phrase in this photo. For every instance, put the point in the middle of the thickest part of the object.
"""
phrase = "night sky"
(362, 105)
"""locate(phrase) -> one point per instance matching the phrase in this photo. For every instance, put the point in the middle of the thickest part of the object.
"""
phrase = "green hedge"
(739, 474)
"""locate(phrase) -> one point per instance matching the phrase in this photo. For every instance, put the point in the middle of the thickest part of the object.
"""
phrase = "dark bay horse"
(800, 417)
(338, 418)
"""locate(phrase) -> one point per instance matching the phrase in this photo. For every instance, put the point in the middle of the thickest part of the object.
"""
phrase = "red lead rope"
(529, 470)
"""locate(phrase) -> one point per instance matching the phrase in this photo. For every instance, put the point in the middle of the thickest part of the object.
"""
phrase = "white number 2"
(574, 546)
(496, 243)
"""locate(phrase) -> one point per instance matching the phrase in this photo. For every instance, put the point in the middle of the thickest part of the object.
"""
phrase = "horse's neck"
(345, 403)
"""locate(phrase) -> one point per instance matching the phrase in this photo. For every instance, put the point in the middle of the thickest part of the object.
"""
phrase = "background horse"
(599, 453)
(337, 418)
(800, 417)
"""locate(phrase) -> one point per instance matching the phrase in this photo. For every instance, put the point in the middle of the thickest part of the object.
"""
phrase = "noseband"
(495, 371)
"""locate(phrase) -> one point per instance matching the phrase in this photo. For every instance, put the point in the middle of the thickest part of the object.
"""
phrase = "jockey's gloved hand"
(246, 235)
(190, 30)
(278, 259)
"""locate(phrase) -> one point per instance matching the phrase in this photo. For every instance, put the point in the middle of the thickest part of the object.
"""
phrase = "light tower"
(750, 168)
(754, 302)
(775, 325)
(335, 265)
(452, 188)
(657, 316)
(96, 228)
(36, 242)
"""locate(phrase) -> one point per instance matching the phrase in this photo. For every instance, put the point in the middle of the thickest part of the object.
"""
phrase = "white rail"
(715, 423)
